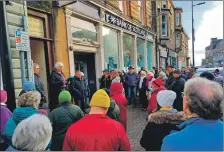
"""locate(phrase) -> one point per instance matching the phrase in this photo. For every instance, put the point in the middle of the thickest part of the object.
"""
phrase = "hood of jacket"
(116, 88)
(117, 79)
(171, 117)
(22, 113)
(159, 89)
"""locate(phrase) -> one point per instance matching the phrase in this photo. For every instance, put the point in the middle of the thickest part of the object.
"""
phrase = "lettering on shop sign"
(125, 25)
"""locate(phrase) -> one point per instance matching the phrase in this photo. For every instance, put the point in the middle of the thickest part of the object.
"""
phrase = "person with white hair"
(115, 77)
(32, 134)
(142, 90)
(203, 130)
(27, 105)
(161, 122)
(162, 76)
(57, 84)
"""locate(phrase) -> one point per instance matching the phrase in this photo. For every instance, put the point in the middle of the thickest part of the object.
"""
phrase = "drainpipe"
(6, 60)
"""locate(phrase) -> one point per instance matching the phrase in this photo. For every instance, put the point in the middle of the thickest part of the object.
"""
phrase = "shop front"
(172, 59)
(181, 62)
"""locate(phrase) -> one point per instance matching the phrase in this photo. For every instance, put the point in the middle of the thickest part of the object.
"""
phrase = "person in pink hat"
(5, 115)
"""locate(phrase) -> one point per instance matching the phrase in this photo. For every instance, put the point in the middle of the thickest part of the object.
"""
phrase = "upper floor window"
(140, 10)
(177, 18)
(164, 25)
(164, 4)
(177, 40)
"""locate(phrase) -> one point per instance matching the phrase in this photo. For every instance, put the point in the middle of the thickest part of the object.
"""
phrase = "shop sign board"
(22, 41)
(126, 25)
(163, 53)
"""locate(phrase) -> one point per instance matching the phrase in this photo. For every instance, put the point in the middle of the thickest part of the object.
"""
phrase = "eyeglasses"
(182, 93)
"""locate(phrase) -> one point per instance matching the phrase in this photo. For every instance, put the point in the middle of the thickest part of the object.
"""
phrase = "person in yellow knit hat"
(96, 131)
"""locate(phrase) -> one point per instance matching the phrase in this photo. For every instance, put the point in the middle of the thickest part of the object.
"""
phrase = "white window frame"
(140, 10)
(178, 39)
(177, 18)
(165, 25)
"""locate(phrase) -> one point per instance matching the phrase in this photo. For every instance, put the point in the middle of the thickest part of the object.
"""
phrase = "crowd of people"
(185, 113)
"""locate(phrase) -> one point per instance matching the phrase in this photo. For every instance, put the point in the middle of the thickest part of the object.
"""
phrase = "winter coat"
(61, 121)
(19, 114)
(170, 81)
(96, 132)
(149, 80)
(159, 125)
(178, 88)
(39, 87)
(77, 89)
(152, 104)
(5, 115)
(105, 82)
(116, 90)
(114, 111)
(131, 79)
(144, 87)
(196, 134)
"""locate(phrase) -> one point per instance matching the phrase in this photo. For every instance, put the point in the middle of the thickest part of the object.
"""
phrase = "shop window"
(140, 11)
(177, 18)
(177, 40)
(140, 52)
(149, 55)
(128, 50)
(111, 49)
(164, 25)
(83, 29)
(164, 4)
(163, 62)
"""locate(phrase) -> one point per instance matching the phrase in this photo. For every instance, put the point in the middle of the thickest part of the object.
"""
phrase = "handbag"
(64, 109)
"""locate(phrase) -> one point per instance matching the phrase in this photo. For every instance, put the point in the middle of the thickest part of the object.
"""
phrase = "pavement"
(136, 125)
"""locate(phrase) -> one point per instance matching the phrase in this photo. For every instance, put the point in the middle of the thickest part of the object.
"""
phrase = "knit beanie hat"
(3, 95)
(64, 96)
(100, 99)
(28, 86)
(158, 82)
(165, 98)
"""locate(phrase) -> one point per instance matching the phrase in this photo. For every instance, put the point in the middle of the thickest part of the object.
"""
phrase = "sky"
(208, 23)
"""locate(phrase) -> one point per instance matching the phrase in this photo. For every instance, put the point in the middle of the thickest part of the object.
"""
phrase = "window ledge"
(164, 10)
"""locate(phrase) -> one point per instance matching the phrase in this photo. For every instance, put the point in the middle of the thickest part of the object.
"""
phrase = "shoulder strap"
(66, 111)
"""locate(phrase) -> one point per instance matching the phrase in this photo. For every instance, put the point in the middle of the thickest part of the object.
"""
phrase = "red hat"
(158, 82)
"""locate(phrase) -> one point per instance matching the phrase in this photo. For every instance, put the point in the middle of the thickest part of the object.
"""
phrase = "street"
(136, 124)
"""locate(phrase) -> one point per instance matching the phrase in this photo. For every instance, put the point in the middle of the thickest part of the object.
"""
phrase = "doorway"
(39, 56)
(85, 62)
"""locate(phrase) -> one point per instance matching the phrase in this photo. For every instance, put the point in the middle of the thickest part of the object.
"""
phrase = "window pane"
(149, 55)
(128, 50)
(75, 22)
(163, 18)
(111, 51)
(177, 19)
(140, 52)
(81, 33)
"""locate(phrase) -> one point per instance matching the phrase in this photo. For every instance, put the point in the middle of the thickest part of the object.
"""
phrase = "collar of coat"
(161, 117)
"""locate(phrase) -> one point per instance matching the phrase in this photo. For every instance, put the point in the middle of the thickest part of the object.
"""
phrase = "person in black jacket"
(178, 87)
(161, 122)
(57, 83)
(142, 90)
(77, 90)
(105, 81)
(170, 79)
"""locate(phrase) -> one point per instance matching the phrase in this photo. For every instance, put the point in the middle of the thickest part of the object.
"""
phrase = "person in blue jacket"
(203, 130)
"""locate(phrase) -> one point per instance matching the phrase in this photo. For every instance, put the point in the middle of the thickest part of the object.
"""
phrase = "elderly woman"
(57, 84)
(32, 134)
(162, 76)
(161, 122)
(27, 105)
(203, 130)
(142, 90)
(62, 117)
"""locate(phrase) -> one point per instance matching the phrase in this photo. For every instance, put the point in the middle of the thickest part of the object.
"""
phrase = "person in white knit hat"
(161, 122)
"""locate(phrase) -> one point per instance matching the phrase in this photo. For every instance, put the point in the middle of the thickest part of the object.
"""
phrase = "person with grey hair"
(27, 105)
(57, 83)
(39, 85)
(203, 130)
(32, 134)
(115, 76)
(162, 76)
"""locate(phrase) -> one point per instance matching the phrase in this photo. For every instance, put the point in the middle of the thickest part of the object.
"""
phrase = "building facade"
(111, 34)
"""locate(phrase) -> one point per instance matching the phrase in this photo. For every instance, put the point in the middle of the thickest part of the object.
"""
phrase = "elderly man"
(57, 84)
(170, 79)
(26, 139)
(96, 131)
(203, 130)
(38, 83)
(115, 76)
(105, 79)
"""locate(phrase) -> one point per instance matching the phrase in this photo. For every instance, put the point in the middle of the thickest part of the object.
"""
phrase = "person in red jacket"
(116, 93)
(157, 86)
(96, 131)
